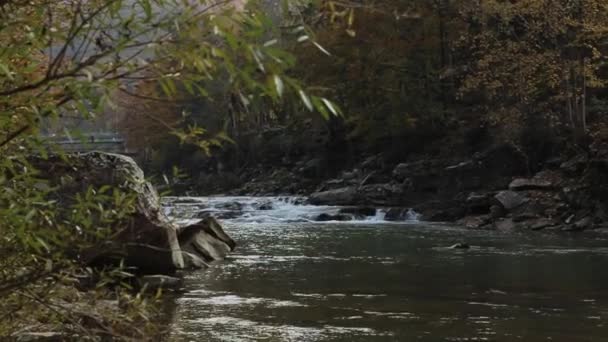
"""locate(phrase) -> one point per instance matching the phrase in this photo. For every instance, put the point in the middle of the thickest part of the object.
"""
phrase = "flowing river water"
(293, 279)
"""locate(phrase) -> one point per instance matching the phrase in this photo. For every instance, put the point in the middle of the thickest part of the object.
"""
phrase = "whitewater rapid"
(277, 209)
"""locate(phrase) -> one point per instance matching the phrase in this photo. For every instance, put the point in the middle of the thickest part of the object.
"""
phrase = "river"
(292, 279)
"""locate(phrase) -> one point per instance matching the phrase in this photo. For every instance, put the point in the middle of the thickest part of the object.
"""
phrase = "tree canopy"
(80, 59)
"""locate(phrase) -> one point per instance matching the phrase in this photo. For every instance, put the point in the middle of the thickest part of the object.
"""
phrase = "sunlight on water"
(292, 279)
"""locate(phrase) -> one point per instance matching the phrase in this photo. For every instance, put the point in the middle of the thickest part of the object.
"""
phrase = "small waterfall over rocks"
(276, 209)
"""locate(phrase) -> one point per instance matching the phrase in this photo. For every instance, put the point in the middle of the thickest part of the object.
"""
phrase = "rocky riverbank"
(145, 241)
(122, 235)
(493, 189)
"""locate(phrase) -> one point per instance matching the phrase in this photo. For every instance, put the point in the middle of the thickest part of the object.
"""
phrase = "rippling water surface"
(296, 280)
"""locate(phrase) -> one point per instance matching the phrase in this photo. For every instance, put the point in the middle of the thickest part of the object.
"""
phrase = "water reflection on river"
(397, 282)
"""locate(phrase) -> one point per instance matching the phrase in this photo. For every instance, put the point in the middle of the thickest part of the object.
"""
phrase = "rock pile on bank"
(492, 190)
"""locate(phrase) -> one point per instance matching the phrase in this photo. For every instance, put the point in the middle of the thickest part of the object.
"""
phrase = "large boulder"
(575, 166)
(510, 199)
(491, 169)
(441, 211)
(541, 223)
(479, 203)
(543, 181)
(474, 222)
(340, 196)
(146, 240)
(359, 211)
(421, 177)
(520, 184)
(506, 224)
(207, 239)
(401, 214)
(379, 194)
(422, 168)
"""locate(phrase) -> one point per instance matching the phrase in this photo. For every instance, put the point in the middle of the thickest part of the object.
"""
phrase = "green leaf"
(334, 110)
(320, 107)
(305, 100)
(321, 48)
(6, 71)
(280, 87)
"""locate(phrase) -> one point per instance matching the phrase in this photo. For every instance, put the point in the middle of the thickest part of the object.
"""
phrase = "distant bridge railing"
(87, 142)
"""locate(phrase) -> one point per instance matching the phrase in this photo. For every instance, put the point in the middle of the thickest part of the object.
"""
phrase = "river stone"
(354, 174)
(510, 199)
(267, 205)
(422, 168)
(232, 206)
(379, 194)
(399, 214)
(340, 196)
(359, 211)
(373, 162)
(225, 215)
(474, 222)
(479, 203)
(576, 196)
(583, 223)
(193, 261)
(311, 168)
(521, 184)
(553, 163)
(505, 224)
(497, 211)
(525, 216)
(541, 223)
(575, 165)
(491, 169)
(206, 239)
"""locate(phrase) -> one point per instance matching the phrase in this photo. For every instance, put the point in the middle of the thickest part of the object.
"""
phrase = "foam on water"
(231, 299)
(246, 328)
(243, 209)
(368, 281)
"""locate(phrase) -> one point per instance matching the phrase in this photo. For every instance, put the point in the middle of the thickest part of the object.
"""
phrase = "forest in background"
(335, 84)
(414, 79)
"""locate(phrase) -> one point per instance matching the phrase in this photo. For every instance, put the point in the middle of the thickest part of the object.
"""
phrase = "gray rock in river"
(233, 206)
(520, 184)
(340, 196)
(379, 194)
(510, 199)
(266, 205)
(359, 211)
(397, 214)
(420, 169)
(474, 222)
(207, 239)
